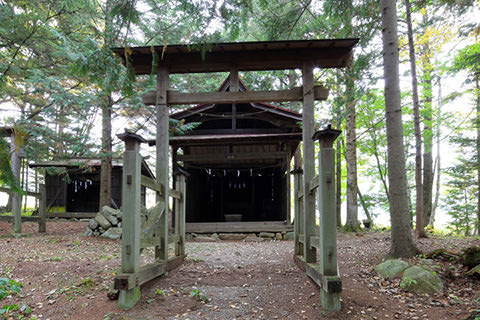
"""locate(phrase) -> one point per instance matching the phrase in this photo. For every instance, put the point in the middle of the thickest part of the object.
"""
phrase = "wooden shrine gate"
(234, 57)
(149, 230)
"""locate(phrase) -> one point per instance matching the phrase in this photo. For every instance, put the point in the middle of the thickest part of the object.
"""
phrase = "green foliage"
(9, 287)
(197, 295)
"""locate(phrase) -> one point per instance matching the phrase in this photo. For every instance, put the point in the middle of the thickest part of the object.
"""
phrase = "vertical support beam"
(297, 186)
(328, 219)
(16, 198)
(161, 251)
(234, 88)
(42, 209)
(131, 218)
(180, 215)
(310, 253)
(288, 191)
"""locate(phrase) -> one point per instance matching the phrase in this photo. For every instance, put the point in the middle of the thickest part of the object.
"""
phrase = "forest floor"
(66, 275)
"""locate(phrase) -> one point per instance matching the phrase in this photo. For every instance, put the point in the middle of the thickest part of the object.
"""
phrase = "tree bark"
(402, 240)
(338, 186)
(437, 166)
(351, 154)
(106, 161)
(419, 229)
(477, 89)
(106, 107)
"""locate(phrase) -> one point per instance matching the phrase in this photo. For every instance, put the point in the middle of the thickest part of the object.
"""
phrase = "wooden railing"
(154, 230)
(41, 218)
(312, 237)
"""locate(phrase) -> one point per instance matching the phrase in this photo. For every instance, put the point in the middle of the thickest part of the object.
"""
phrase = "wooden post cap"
(128, 135)
(326, 137)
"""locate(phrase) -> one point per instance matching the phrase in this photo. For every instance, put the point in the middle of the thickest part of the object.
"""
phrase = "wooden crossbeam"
(176, 97)
(233, 156)
(314, 183)
(152, 184)
(328, 284)
(24, 218)
(128, 281)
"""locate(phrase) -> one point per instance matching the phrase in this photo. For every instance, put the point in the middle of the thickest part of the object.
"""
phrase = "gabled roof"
(226, 87)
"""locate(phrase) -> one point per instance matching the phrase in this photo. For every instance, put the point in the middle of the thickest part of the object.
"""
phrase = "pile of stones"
(106, 224)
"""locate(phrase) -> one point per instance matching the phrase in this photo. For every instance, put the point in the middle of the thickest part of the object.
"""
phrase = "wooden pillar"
(288, 191)
(161, 251)
(42, 209)
(16, 198)
(180, 214)
(310, 253)
(298, 186)
(131, 216)
(234, 88)
(327, 207)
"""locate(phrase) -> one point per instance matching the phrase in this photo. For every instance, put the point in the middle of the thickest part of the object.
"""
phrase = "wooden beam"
(314, 183)
(295, 94)
(309, 254)
(152, 184)
(129, 281)
(162, 163)
(130, 256)
(254, 226)
(232, 156)
(24, 218)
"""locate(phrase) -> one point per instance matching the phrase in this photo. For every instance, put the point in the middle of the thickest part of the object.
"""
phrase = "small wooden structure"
(16, 217)
(234, 57)
(77, 189)
(238, 159)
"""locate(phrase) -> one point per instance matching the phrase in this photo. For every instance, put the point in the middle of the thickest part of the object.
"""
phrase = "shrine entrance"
(159, 227)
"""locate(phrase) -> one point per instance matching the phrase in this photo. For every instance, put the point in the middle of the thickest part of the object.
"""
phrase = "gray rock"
(289, 235)
(101, 230)
(112, 233)
(204, 239)
(214, 235)
(110, 214)
(232, 236)
(96, 233)
(253, 239)
(419, 280)
(88, 232)
(391, 268)
(102, 221)
(471, 257)
(119, 225)
(278, 236)
(267, 235)
(93, 224)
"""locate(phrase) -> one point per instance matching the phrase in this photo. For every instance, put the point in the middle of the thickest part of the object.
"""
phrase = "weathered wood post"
(298, 186)
(132, 160)
(162, 168)
(180, 206)
(327, 206)
(310, 253)
(15, 158)
(42, 208)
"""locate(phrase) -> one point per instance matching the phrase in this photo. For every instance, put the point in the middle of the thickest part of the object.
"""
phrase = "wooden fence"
(16, 218)
(310, 237)
(153, 229)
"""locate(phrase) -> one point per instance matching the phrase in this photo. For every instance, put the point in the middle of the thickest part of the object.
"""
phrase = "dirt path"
(66, 276)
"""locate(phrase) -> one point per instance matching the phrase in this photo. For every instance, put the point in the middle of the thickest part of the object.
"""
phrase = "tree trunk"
(427, 135)
(477, 89)
(106, 162)
(419, 230)
(338, 186)
(437, 167)
(106, 107)
(402, 240)
(351, 155)
(365, 208)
